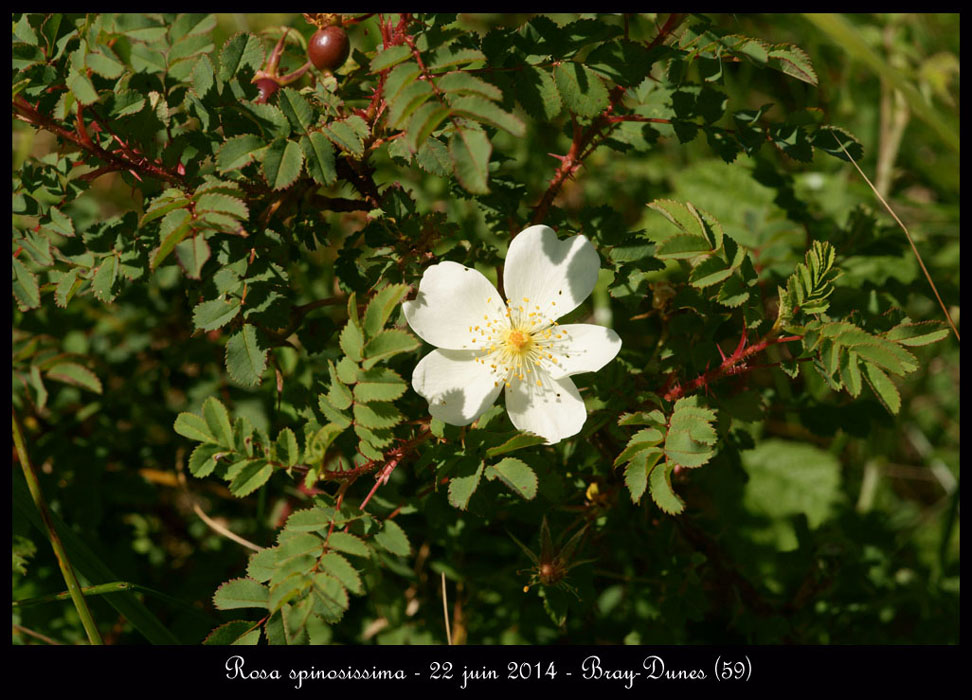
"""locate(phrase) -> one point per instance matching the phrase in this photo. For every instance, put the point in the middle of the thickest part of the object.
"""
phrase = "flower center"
(521, 345)
(519, 341)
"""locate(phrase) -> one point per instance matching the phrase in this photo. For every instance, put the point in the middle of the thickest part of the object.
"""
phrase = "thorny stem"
(733, 364)
(77, 595)
(585, 141)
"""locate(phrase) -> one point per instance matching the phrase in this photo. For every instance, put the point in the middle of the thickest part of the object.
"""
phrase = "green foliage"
(208, 278)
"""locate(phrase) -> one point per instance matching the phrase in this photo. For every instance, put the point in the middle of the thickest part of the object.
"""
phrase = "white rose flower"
(484, 345)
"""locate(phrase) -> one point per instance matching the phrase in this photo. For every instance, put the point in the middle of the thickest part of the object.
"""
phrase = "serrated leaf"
(883, 387)
(517, 442)
(641, 441)
(262, 564)
(287, 449)
(793, 61)
(343, 135)
(317, 445)
(423, 122)
(710, 271)
(341, 569)
(241, 593)
(389, 57)
(482, 110)
(517, 475)
(104, 63)
(381, 306)
(175, 226)
(66, 287)
(238, 151)
(75, 375)
(463, 83)
(218, 420)
(297, 110)
(387, 344)
(917, 334)
(246, 360)
(682, 246)
(163, 204)
(319, 157)
(662, 494)
(202, 461)
(537, 91)
(282, 162)
(393, 539)
(470, 151)
(238, 51)
(636, 473)
(223, 203)
(104, 279)
(237, 632)
(331, 598)
(192, 254)
(252, 476)
(352, 341)
(379, 384)
(210, 315)
(378, 414)
(348, 543)
(690, 434)
(193, 427)
(581, 89)
(81, 86)
(311, 520)
(464, 483)
(25, 287)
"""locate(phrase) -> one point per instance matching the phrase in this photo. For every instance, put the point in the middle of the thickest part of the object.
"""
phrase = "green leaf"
(75, 375)
(240, 50)
(282, 162)
(241, 593)
(470, 150)
(175, 226)
(252, 476)
(287, 449)
(331, 598)
(105, 278)
(210, 315)
(793, 61)
(224, 203)
(319, 157)
(377, 415)
(344, 136)
(245, 358)
(203, 75)
(163, 204)
(66, 287)
(25, 287)
(483, 110)
(317, 445)
(311, 520)
(192, 254)
(636, 473)
(710, 271)
(238, 151)
(641, 441)
(392, 539)
(238, 632)
(348, 543)
(341, 569)
(218, 420)
(690, 434)
(297, 110)
(537, 91)
(517, 442)
(883, 387)
(389, 57)
(202, 461)
(463, 83)
(352, 340)
(518, 476)
(381, 306)
(379, 384)
(193, 427)
(82, 88)
(582, 90)
(662, 494)
(262, 564)
(916, 334)
(104, 63)
(386, 344)
(464, 482)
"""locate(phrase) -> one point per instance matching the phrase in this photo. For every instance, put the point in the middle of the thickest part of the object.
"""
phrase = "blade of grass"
(845, 35)
(904, 228)
(93, 569)
(67, 571)
(107, 589)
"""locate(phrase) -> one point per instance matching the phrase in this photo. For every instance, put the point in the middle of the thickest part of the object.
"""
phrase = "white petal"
(586, 348)
(554, 410)
(453, 298)
(556, 276)
(458, 388)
